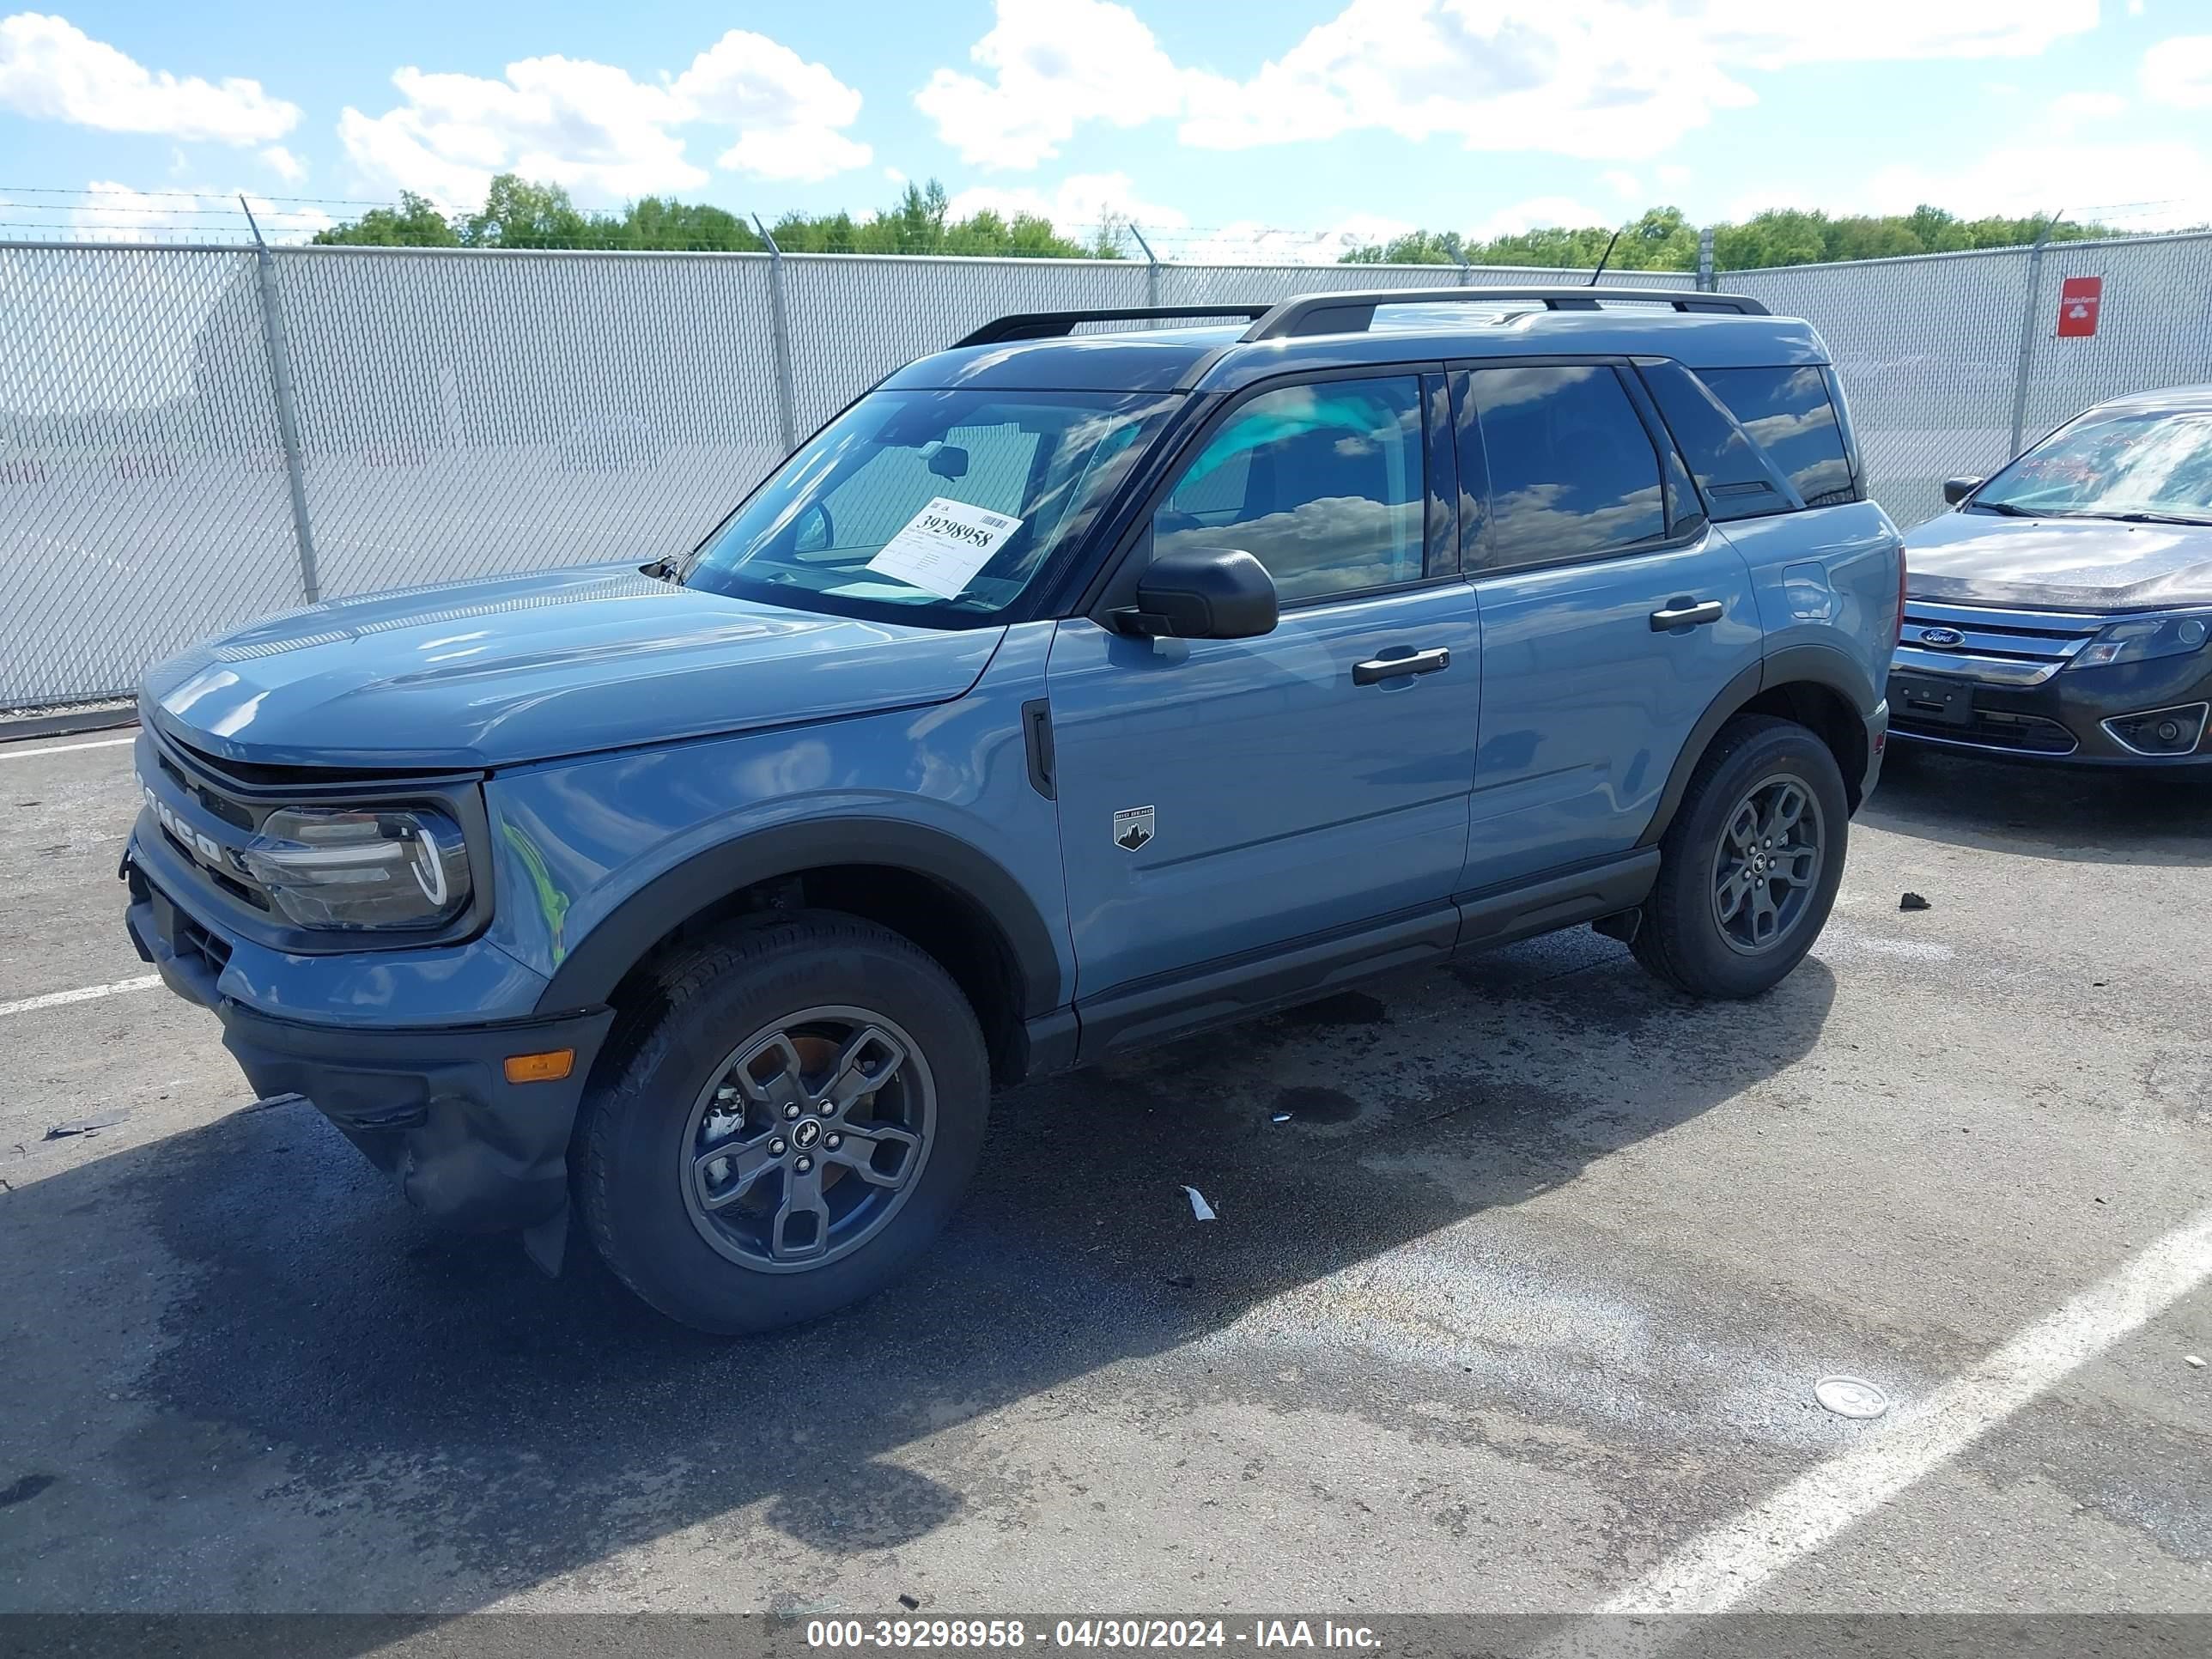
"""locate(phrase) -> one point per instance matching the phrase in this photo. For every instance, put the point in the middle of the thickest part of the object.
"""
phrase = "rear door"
(1225, 797)
(1612, 615)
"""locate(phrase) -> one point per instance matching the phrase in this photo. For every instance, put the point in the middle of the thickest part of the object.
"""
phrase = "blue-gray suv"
(1074, 689)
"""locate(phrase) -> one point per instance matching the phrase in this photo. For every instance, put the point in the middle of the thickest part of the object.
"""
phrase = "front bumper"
(2061, 720)
(431, 1107)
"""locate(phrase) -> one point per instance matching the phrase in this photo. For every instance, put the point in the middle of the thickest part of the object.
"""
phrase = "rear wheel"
(1749, 867)
(783, 1125)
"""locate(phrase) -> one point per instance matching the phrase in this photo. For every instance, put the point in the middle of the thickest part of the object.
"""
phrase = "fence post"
(786, 406)
(1466, 270)
(2027, 334)
(288, 415)
(1151, 265)
(1708, 281)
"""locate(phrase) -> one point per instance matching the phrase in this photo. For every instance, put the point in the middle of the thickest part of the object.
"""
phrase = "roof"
(1214, 358)
(2173, 396)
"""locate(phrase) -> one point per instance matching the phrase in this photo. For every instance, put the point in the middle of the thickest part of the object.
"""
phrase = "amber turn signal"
(549, 1067)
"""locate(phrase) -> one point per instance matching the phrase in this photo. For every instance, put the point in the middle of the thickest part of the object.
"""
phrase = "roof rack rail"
(1354, 312)
(1052, 324)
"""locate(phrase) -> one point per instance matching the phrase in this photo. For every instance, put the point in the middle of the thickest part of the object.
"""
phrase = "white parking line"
(1719, 1567)
(63, 749)
(84, 993)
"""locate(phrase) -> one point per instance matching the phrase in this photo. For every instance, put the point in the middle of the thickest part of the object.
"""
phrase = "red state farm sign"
(2078, 299)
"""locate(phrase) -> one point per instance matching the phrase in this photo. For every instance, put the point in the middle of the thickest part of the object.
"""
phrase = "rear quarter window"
(1788, 413)
(1736, 479)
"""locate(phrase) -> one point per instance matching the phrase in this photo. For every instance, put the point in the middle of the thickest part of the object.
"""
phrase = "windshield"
(940, 507)
(2153, 464)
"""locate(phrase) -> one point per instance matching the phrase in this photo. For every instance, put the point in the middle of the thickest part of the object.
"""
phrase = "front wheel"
(783, 1125)
(1749, 867)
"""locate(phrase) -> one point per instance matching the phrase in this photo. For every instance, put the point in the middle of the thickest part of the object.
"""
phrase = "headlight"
(362, 868)
(2139, 639)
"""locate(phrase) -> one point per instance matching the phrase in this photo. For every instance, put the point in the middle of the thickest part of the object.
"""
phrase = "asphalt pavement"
(1523, 1275)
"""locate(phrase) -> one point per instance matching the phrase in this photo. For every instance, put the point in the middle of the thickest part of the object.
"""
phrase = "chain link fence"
(1952, 362)
(459, 413)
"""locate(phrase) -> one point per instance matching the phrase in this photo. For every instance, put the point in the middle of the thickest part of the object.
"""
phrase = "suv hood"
(2059, 564)
(478, 674)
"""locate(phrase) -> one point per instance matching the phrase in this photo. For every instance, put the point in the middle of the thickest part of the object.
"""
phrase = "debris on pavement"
(1912, 901)
(86, 1126)
(1181, 1281)
(2194, 1361)
(1280, 1117)
(1198, 1207)
(908, 1602)
(1850, 1396)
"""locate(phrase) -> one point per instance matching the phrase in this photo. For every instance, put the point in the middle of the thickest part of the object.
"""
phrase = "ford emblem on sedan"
(1942, 638)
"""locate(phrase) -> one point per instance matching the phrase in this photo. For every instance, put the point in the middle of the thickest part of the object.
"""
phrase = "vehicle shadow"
(2077, 814)
(439, 1388)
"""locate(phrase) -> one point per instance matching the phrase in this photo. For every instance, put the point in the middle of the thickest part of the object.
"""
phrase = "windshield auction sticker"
(943, 546)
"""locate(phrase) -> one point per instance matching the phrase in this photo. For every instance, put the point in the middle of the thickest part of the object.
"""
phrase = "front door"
(1224, 797)
(1613, 615)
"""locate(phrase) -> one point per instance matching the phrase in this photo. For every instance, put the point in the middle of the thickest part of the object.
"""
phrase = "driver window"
(1322, 483)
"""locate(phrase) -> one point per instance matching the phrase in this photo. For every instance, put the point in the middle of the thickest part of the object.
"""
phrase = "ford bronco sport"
(1068, 692)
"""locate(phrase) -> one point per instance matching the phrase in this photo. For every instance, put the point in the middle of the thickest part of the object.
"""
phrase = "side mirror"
(1957, 489)
(1202, 593)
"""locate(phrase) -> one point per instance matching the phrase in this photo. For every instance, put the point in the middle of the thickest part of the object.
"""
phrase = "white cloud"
(1084, 200)
(1249, 242)
(1621, 182)
(1607, 80)
(1539, 213)
(2179, 72)
(2044, 178)
(558, 120)
(787, 111)
(113, 212)
(1054, 65)
(52, 70)
(894, 175)
(2072, 110)
(1673, 175)
(1760, 35)
(596, 131)
(285, 165)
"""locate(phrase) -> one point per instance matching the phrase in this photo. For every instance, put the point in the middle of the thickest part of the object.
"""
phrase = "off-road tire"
(666, 1045)
(1680, 939)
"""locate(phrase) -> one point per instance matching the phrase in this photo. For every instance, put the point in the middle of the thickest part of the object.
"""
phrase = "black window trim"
(1682, 531)
(1115, 584)
(1789, 501)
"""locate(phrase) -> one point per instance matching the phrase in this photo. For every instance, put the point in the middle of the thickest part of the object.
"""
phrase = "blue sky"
(1289, 129)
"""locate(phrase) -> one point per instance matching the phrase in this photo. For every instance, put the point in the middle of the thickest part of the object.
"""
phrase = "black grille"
(2029, 734)
(222, 807)
(189, 938)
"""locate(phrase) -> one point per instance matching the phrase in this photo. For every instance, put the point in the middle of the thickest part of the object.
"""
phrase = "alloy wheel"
(1768, 864)
(808, 1139)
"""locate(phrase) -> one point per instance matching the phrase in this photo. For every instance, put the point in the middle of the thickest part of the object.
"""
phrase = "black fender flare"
(588, 975)
(1819, 665)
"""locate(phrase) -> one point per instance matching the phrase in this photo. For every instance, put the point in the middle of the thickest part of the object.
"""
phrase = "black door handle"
(1686, 612)
(1399, 662)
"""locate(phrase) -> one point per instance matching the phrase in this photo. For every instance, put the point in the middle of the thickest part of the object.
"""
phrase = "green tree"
(1662, 239)
(517, 213)
(414, 222)
(653, 222)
